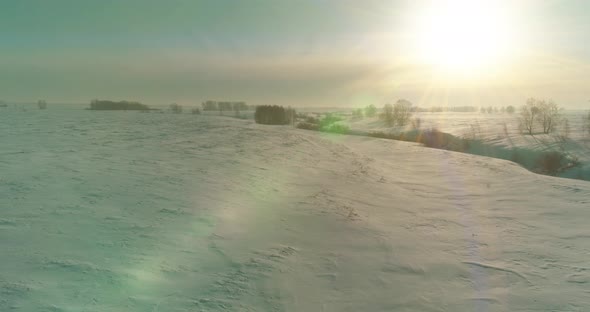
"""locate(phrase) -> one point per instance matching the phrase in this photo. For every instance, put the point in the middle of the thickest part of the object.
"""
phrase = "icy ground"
(124, 211)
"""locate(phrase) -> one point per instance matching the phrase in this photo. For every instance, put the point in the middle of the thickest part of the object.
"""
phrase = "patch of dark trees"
(274, 115)
(113, 105)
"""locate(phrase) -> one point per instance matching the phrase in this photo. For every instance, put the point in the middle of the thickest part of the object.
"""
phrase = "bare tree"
(528, 115)
(402, 112)
(549, 115)
(387, 115)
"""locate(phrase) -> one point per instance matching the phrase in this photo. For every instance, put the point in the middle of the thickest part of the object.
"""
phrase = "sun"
(461, 36)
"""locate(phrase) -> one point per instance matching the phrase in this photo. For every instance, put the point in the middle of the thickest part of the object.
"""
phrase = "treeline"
(444, 109)
(495, 110)
(274, 115)
(407, 107)
(397, 114)
(224, 106)
(121, 105)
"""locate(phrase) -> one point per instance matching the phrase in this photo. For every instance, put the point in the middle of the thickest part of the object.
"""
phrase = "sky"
(298, 52)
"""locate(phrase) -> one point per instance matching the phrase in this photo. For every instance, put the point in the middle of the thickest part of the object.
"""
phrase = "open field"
(126, 211)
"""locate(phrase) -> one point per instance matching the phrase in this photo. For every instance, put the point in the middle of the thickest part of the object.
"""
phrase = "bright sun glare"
(461, 36)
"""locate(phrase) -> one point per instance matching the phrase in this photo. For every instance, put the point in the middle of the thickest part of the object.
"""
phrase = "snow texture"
(128, 211)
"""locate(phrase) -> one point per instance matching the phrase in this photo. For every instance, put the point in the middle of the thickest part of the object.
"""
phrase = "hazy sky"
(328, 53)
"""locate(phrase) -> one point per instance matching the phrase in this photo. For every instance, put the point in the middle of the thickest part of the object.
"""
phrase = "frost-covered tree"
(549, 115)
(402, 112)
(528, 115)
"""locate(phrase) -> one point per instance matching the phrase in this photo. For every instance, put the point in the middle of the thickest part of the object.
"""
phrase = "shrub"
(328, 120)
(308, 126)
(336, 128)
(433, 138)
(510, 109)
(311, 119)
(438, 139)
(196, 111)
(551, 162)
(274, 115)
(326, 124)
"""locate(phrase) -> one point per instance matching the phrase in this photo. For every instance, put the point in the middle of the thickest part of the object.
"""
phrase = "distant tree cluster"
(544, 113)
(370, 111)
(209, 105)
(495, 110)
(196, 111)
(398, 114)
(42, 104)
(176, 108)
(274, 115)
(443, 109)
(121, 105)
(222, 106)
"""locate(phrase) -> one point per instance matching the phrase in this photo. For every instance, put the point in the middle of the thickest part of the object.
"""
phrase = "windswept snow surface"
(502, 130)
(125, 211)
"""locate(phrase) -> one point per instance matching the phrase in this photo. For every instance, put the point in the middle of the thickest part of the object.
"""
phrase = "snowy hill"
(111, 211)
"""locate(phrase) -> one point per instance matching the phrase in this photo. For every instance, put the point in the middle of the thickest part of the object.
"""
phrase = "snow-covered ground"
(127, 211)
(501, 130)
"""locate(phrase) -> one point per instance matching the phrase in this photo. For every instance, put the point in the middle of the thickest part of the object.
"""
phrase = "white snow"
(124, 211)
(501, 130)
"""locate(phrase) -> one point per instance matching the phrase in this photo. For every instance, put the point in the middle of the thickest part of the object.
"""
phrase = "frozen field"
(502, 130)
(127, 211)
